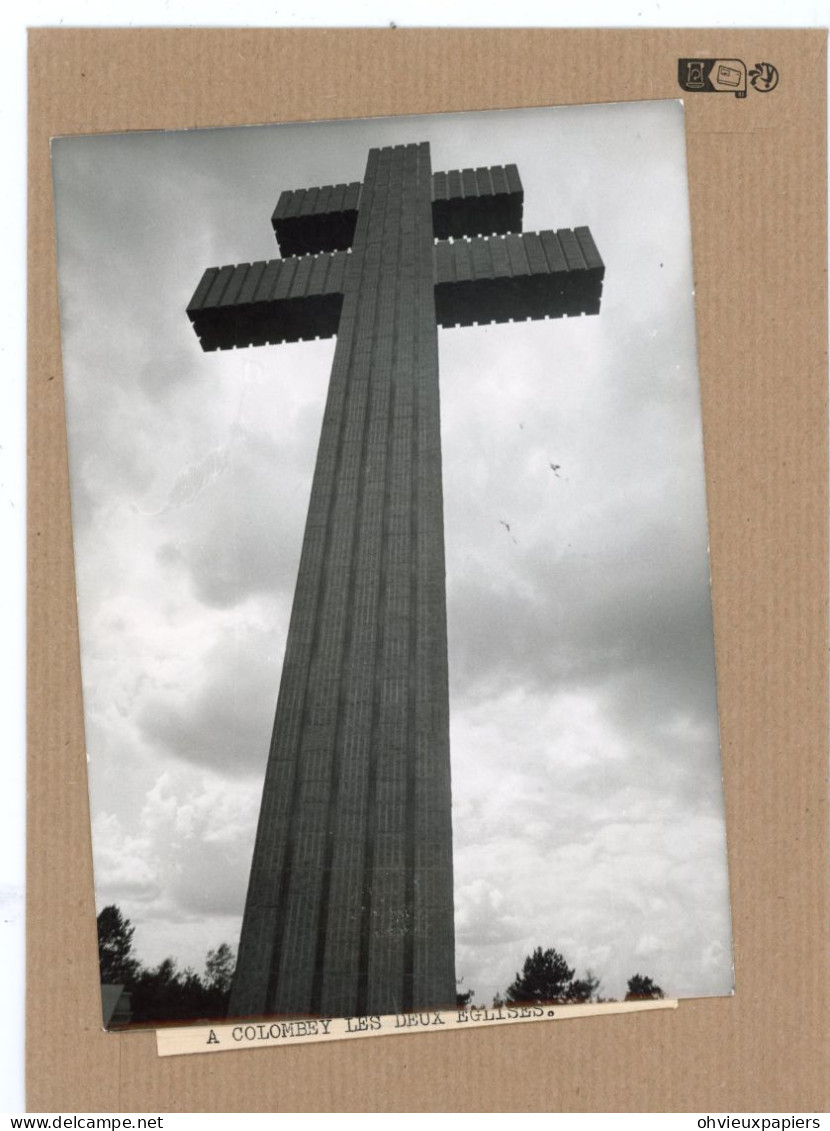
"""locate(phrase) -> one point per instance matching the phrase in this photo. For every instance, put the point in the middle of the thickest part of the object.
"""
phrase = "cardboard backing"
(757, 169)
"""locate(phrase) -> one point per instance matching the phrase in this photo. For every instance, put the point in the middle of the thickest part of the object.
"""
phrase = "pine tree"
(582, 990)
(641, 988)
(545, 977)
(115, 942)
(219, 968)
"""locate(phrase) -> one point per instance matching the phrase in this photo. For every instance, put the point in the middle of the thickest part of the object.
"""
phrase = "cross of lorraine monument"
(350, 901)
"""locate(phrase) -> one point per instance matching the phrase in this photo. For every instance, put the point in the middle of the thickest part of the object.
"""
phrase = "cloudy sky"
(587, 807)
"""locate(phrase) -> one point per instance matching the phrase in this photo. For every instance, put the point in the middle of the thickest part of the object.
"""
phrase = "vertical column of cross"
(408, 937)
(366, 949)
(335, 743)
(350, 900)
(387, 914)
(431, 969)
(348, 893)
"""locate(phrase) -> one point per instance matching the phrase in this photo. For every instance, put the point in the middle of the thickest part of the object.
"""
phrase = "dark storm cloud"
(213, 886)
(224, 722)
(578, 625)
(248, 541)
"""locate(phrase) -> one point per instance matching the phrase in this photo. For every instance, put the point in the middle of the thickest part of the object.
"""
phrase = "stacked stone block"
(479, 280)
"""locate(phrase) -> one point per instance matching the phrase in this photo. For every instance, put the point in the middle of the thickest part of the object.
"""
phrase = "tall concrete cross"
(350, 901)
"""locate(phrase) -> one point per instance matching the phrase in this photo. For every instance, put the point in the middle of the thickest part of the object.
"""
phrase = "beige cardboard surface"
(758, 189)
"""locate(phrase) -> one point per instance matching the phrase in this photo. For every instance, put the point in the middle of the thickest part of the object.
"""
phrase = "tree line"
(546, 979)
(163, 992)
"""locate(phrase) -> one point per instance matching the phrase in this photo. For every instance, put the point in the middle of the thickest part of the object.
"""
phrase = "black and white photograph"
(392, 568)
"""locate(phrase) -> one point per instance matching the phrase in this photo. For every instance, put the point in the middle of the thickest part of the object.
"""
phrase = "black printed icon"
(695, 74)
(727, 76)
(764, 77)
(730, 77)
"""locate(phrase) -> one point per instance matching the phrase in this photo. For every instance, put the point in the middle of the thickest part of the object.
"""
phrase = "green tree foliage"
(163, 993)
(546, 978)
(462, 1000)
(115, 943)
(166, 993)
(582, 990)
(219, 968)
(641, 988)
